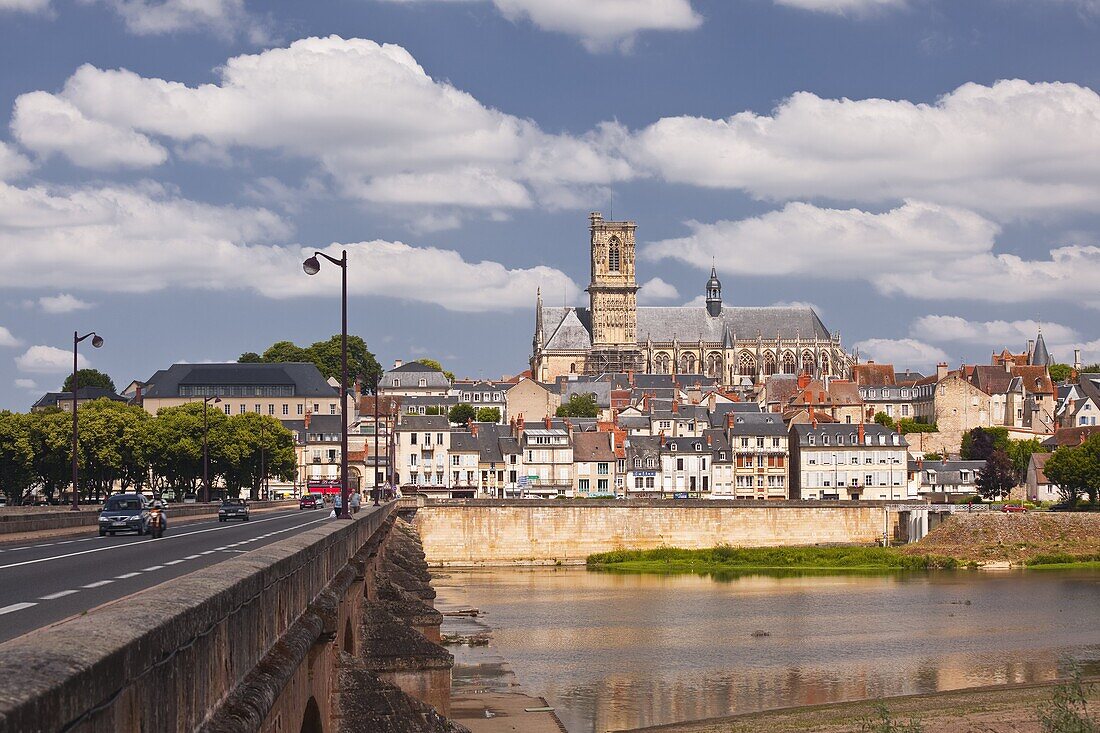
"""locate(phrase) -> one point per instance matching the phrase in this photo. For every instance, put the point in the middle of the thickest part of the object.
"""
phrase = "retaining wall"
(493, 532)
(37, 519)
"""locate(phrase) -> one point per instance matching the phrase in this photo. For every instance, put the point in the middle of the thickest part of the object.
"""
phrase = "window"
(601, 469)
(905, 410)
(256, 408)
(637, 463)
(454, 460)
(412, 438)
(672, 447)
(332, 408)
(316, 407)
(466, 397)
(614, 255)
(397, 383)
(601, 485)
(270, 409)
(227, 409)
(964, 476)
(639, 482)
(650, 462)
(775, 442)
(759, 442)
(811, 439)
(583, 484)
(840, 440)
(439, 438)
(286, 409)
(649, 482)
(679, 464)
(824, 439)
(301, 408)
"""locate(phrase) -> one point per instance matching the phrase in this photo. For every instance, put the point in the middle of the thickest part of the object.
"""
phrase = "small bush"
(882, 722)
(1068, 710)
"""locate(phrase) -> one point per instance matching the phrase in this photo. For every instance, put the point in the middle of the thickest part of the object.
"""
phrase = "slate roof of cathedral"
(571, 327)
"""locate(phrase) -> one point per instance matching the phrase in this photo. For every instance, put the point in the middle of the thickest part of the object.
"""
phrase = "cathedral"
(735, 344)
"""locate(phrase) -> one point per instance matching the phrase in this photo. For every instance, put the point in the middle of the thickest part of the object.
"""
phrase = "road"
(44, 582)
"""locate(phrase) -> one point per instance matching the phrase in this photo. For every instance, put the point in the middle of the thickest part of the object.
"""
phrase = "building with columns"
(732, 343)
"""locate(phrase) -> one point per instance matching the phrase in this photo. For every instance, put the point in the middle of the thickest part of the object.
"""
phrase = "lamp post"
(263, 460)
(377, 488)
(97, 341)
(312, 266)
(205, 448)
(391, 440)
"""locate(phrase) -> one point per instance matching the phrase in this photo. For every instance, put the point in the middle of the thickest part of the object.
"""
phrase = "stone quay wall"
(507, 532)
(317, 632)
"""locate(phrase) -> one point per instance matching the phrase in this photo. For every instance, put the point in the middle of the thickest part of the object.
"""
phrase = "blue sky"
(925, 172)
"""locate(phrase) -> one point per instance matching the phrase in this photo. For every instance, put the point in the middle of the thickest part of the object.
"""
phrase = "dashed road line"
(191, 557)
(15, 607)
(151, 569)
(59, 594)
(97, 584)
(124, 576)
(174, 562)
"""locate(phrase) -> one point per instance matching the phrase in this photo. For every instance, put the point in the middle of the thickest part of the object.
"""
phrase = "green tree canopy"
(1020, 452)
(112, 446)
(174, 445)
(1060, 372)
(16, 476)
(462, 413)
(326, 355)
(913, 426)
(488, 414)
(88, 378)
(1076, 470)
(249, 448)
(998, 477)
(51, 440)
(438, 367)
(978, 444)
(580, 405)
(885, 420)
(1091, 368)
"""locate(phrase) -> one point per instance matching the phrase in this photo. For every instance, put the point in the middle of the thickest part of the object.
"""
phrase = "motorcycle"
(156, 523)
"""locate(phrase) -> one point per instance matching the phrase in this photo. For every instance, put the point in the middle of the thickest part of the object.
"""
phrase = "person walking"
(355, 501)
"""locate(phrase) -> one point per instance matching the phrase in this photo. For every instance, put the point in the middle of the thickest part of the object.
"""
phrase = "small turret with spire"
(714, 294)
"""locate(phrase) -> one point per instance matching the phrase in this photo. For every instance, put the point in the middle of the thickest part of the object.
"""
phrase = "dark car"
(124, 513)
(233, 509)
(311, 501)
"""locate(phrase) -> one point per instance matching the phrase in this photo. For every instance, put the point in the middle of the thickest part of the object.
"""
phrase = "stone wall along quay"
(501, 532)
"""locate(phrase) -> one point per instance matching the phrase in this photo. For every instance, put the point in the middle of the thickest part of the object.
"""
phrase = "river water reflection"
(613, 651)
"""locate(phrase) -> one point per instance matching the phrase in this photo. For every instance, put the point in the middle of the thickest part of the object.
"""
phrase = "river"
(615, 651)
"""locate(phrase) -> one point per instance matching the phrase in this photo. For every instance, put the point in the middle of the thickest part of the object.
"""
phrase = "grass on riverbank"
(725, 558)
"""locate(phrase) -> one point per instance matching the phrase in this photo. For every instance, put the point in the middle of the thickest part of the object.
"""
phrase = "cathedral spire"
(538, 320)
(714, 294)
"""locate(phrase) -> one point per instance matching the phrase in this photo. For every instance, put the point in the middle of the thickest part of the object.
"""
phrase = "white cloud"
(797, 304)
(1011, 334)
(366, 113)
(62, 303)
(901, 352)
(920, 250)
(48, 124)
(7, 339)
(28, 384)
(225, 18)
(25, 6)
(843, 7)
(143, 239)
(1011, 149)
(657, 290)
(48, 360)
(12, 164)
(599, 24)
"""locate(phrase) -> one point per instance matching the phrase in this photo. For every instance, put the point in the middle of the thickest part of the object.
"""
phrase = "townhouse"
(847, 462)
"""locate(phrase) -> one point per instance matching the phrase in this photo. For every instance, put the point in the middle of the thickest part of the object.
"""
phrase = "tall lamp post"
(97, 341)
(205, 448)
(312, 266)
(263, 461)
(377, 488)
(391, 450)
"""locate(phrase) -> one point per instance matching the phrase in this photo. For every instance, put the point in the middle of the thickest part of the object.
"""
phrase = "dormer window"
(672, 447)
(637, 463)
(422, 383)
(811, 439)
(397, 383)
(698, 446)
(824, 439)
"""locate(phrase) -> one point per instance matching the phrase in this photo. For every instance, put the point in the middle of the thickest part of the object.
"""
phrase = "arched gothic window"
(808, 362)
(662, 363)
(613, 255)
(824, 363)
(746, 365)
(573, 367)
(789, 365)
(769, 363)
(714, 365)
(687, 363)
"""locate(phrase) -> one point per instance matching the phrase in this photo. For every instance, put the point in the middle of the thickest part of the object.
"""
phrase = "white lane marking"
(208, 552)
(174, 562)
(15, 607)
(97, 584)
(66, 542)
(162, 539)
(59, 594)
(124, 576)
(151, 569)
(190, 557)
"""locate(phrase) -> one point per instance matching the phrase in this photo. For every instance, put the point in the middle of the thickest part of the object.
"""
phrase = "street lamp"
(97, 341)
(391, 440)
(377, 489)
(205, 449)
(312, 266)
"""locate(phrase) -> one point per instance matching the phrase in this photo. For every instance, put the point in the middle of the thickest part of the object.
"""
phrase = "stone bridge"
(330, 630)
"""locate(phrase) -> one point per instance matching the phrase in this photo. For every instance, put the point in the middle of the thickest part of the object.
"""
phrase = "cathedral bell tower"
(613, 297)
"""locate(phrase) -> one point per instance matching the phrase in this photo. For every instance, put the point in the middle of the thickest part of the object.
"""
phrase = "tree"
(326, 356)
(488, 414)
(50, 434)
(933, 456)
(88, 378)
(1076, 470)
(284, 351)
(998, 477)
(111, 445)
(1020, 452)
(579, 405)
(978, 444)
(1091, 369)
(885, 420)
(249, 357)
(1060, 372)
(16, 476)
(249, 448)
(462, 413)
(432, 363)
(173, 442)
(908, 425)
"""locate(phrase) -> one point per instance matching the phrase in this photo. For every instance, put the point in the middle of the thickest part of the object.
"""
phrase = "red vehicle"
(1013, 508)
(311, 501)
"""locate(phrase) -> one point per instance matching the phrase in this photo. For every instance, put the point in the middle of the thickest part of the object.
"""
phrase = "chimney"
(612, 434)
(662, 434)
(920, 464)
(861, 434)
(473, 429)
(941, 371)
(630, 378)
(1076, 363)
(398, 363)
(1030, 348)
(307, 419)
(547, 422)
(729, 420)
(675, 405)
(813, 419)
(138, 389)
(945, 459)
(710, 440)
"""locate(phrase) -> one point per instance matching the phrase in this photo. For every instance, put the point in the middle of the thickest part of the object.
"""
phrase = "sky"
(925, 173)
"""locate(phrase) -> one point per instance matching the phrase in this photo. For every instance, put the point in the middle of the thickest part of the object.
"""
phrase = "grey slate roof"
(50, 399)
(413, 366)
(423, 422)
(463, 441)
(764, 423)
(874, 430)
(305, 376)
(570, 328)
(1039, 355)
